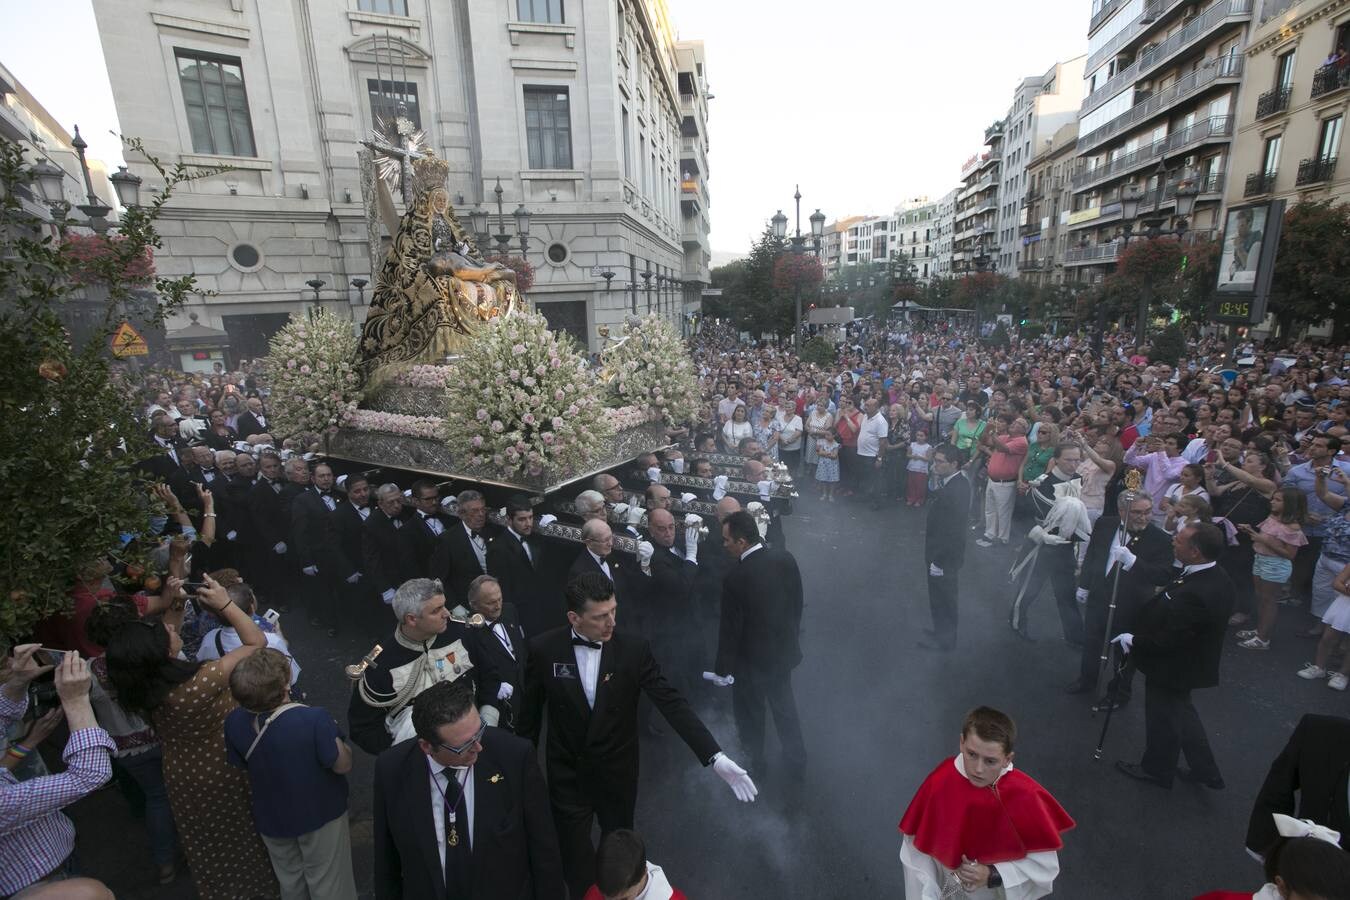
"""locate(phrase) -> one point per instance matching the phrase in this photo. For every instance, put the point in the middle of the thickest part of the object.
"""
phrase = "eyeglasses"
(478, 736)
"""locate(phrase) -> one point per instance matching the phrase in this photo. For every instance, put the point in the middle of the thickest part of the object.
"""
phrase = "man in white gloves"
(673, 627)
(1127, 557)
(589, 677)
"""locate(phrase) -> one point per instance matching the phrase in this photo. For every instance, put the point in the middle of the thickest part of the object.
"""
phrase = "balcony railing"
(1216, 126)
(1272, 102)
(1095, 253)
(1259, 183)
(1313, 171)
(1155, 56)
(1331, 77)
(1029, 228)
(1102, 14)
(1223, 67)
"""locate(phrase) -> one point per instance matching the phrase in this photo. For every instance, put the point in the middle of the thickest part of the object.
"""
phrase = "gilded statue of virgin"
(434, 290)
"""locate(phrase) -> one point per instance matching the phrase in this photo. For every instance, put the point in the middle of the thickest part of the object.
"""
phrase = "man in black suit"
(461, 553)
(521, 562)
(313, 539)
(758, 644)
(674, 630)
(944, 544)
(460, 812)
(164, 437)
(590, 676)
(269, 513)
(390, 554)
(630, 581)
(500, 651)
(1177, 641)
(253, 421)
(431, 522)
(357, 595)
(1129, 561)
(1315, 764)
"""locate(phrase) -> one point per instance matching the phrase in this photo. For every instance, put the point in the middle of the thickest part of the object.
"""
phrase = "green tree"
(69, 438)
(1168, 346)
(1312, 269)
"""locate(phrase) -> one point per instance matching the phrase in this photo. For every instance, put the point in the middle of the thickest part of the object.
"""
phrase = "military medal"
(452, 835)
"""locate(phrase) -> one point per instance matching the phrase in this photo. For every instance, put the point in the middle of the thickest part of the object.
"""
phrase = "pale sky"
(865, 103)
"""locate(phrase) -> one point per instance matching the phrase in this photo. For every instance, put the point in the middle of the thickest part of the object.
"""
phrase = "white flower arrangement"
(313, 375)
(521, 401)
(653, 368)
(428, 427)
(626, 417)
(425, 377)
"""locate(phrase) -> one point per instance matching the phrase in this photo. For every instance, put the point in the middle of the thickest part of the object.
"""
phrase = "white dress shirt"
(440, 781)
(363, 512)
(604, 566)
(1198, 567)
(479, 547)
(750, 550)
(499, 631)
(588, 667)
(432, 523)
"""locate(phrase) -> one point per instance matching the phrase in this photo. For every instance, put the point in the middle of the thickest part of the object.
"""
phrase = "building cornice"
(1290, 29)
(201, 26)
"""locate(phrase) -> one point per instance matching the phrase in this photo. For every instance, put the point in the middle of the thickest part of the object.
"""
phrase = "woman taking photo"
(187, 703)
(1241, 494)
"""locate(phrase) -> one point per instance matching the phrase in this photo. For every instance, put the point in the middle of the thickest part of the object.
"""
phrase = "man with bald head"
(672, 629)
(608, 487)
(591, 505)
(629, 580)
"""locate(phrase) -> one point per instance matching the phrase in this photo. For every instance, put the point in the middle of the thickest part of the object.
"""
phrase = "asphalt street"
(878, 715)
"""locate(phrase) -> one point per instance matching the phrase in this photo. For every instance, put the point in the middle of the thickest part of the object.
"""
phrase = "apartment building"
(1042, 230)
(944, 223)
(1041, 105)
(577, 110)
(914, 235)
(1290, 120)
(1161, 85)
(976, 215)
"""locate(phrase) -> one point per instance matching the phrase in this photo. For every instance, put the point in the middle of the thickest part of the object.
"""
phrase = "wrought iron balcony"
(1331, 77)
(1259, 183)
(1272, 102)
(1313, 171)
(1223, 68)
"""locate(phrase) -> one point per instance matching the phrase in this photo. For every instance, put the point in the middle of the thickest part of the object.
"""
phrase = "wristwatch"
(995, 879)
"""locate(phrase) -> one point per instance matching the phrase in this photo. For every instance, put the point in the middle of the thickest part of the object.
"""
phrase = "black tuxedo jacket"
(425, 540)
(162, 466)
(390, 553)
(348, 528)
(454, 561)
(1152, 567)
(761, 615)
(533, 587)
(1315, 764)
(593, 753)
(269, 515)
(630, 584)
(1179, 634)
(944, 539)
(248, 425)
(312, 535)
(496, 666)
(670, 594)
(515, 847)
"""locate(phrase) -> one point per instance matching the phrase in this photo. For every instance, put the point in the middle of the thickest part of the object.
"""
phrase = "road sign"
(127, 342)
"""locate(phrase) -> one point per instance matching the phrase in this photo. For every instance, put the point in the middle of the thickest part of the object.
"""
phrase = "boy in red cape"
(622, 871)
(976, 825)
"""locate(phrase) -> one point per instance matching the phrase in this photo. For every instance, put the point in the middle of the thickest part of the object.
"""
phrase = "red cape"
(949, 817)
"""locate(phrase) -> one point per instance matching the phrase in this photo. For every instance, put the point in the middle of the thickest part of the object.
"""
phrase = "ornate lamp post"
(779, 222)
(1151, 228)
(315, 283)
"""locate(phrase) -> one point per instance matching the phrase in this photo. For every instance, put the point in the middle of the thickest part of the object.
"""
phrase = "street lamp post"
(1151, 228)
(817, 220)
(315, 283)
(647, 281)
(360, 285)
(479, 221)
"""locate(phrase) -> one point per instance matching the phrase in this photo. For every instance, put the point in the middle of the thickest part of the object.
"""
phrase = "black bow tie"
(582, 642)
(475, 534)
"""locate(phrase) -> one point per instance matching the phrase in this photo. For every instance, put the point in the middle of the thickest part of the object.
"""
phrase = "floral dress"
(827, 470)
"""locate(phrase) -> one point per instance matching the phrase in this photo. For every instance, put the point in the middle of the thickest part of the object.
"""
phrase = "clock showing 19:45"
(1232, 312)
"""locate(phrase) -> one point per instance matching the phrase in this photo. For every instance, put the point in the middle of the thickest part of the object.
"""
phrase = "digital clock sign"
(1231, 312)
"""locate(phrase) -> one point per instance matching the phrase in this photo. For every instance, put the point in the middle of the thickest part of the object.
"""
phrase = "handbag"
(276, 714)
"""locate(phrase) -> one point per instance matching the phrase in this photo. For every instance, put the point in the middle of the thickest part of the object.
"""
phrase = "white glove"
(388, 596)
(691, 547)
(1123, 555)
(310, 570)
(547, 519)
(693, 520)
(408, 493)
(1037, 534)
(280, 548)
(354, 578)
(688, 498)
(231, 535)
(719, 680)
(654, 475)
(1126, 641)
(1081, 595)
(621, 510)
(934, 570)
(645, 553)
(765, 490)
(449, 503)
(735, 777)
(720, 487)
(677, 465)
(341, 481)
(635, 514)
(505, 691)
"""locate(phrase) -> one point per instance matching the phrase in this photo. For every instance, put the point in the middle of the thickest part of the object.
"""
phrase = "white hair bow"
(1290, 827)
